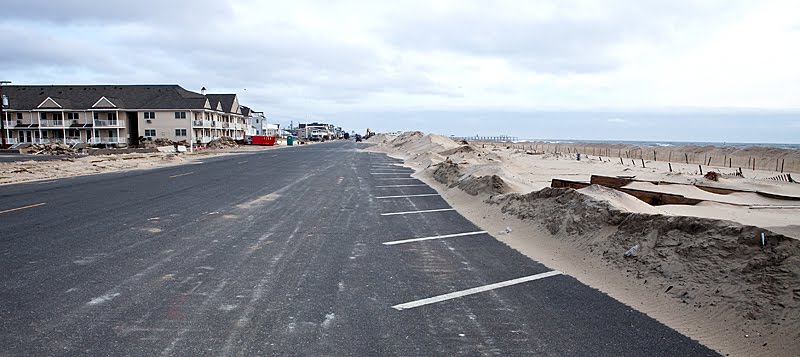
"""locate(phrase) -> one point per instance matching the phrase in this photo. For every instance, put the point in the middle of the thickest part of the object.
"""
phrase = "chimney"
(203, 91)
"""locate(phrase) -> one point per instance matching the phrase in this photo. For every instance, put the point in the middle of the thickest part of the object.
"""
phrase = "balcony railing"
(111, 123)
(107, 140)
(52, 123)
(226, 125)
(10, 123)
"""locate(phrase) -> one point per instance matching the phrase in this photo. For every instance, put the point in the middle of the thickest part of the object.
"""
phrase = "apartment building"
(119, 114)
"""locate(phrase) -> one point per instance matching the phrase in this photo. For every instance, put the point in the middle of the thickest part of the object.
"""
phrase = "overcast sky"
(711, 70)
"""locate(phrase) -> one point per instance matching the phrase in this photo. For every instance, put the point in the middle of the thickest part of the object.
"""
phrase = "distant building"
(317, 131)
(119, 114)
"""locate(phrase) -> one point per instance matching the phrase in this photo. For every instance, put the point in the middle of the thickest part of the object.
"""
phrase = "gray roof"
(125, 97)
(226, 99)
(245, 110)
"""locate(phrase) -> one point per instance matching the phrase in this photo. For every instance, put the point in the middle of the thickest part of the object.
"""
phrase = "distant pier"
(501, 138)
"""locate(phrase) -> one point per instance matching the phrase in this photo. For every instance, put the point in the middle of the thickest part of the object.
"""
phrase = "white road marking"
(423, 211)
(183, 174)
(476, 290)
(390, 173)
(396, 178)
(434, 237)
(390, 186)
(24, 207)
(242, 162)
(404, 196)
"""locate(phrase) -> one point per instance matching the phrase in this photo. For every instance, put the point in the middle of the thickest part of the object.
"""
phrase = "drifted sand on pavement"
(700, 269)
(29, 170)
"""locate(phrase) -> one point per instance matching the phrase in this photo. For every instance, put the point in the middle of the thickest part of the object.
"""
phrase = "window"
(19, 116)
(95, 115)
(57, 117)
(73, 133)
(180, 115)
(72, 116)
(149, 133)
(180, 132)
(111, 116)
(44, 134)
(43, 116)
(149, 115)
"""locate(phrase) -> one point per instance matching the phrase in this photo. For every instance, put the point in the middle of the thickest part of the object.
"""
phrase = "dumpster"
(263, 140)
(289, 140)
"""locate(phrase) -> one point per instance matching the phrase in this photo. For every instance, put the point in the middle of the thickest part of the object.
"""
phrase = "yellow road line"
(183, 174)
(28, 206)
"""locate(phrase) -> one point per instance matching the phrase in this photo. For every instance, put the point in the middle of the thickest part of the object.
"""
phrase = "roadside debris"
(711, 175)
(51, 149)
(632, 252)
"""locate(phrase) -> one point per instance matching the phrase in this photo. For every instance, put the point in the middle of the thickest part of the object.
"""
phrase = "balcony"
(226, 125)
(107, 123)
(201, 123)
(51, 123)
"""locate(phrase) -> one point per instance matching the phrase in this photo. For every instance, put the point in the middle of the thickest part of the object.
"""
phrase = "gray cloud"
(158, 12)
(561, 43)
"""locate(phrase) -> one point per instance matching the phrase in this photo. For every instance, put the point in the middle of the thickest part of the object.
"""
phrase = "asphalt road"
(7, 157)
(280, 253)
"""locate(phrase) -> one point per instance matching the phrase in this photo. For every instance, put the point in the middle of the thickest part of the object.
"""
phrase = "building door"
(28, 136)
(133, 128)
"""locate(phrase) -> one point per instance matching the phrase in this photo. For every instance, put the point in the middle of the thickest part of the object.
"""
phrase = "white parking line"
(480, 289)
(391, 173)
(391, 186)
(396, 178)
(412, 212)
(434, 237)
(404, 196)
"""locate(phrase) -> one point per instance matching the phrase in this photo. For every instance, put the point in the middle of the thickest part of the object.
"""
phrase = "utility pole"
(3, 103)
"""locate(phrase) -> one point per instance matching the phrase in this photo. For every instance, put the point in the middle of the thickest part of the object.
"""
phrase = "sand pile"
(450, 174)
(221, 143)
(700, 261)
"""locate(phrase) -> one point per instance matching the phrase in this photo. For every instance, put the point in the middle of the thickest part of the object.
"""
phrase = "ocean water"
(666, 143)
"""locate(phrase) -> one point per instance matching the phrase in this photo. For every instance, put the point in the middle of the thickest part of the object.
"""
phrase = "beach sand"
(700, 269)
